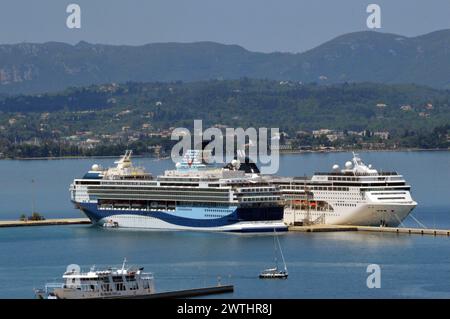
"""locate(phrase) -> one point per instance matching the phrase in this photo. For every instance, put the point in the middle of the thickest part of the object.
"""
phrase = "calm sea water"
(324, 265)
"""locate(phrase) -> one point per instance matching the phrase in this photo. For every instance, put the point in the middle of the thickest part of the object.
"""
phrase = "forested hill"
(237, 103)
(354, 57)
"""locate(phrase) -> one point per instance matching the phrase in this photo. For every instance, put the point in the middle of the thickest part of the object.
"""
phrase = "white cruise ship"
(355, 195)
(194, 196)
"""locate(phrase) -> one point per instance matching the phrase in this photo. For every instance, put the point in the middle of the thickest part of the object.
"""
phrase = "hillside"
(262, 103)
(355, 57)
(106, 119)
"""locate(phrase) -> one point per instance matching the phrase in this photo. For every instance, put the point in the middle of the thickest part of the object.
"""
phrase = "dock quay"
(45, 222)
(322, 228)
(317, 228)
(394, 230)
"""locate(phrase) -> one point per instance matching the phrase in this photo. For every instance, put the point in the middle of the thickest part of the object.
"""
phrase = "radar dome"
(348, 165)
(235, 163)
(178, 165)
(95, 167)
(335, 167)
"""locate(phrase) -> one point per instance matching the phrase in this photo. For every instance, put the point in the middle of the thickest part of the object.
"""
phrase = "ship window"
(117, 278)
(120, 286)
(106, 287)
(88, 183)
(104, 279)
(133, 286)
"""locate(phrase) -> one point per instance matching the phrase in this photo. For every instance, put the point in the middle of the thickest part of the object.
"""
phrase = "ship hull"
(265, 219)
(363, 215)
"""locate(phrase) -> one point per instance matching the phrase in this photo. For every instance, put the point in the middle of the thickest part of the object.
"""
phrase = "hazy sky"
(258, 25)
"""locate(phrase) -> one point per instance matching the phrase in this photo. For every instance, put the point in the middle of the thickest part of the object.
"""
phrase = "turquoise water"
(324, 265)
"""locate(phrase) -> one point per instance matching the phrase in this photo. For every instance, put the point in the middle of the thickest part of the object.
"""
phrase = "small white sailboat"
(276, 272)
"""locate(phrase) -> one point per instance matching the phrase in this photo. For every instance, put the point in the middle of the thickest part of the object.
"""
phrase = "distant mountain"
(379, 57)
(355, 57)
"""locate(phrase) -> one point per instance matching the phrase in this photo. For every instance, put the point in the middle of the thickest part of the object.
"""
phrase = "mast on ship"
(125, 161)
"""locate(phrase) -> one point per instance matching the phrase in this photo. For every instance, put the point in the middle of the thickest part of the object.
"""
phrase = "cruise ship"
(355, 195)
(193, 196)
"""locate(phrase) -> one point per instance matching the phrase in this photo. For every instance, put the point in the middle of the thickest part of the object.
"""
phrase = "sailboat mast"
(282, 256)
(275, 248)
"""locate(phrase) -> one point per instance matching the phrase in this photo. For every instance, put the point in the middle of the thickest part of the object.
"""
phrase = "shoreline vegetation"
(104, 120)
(282, 152)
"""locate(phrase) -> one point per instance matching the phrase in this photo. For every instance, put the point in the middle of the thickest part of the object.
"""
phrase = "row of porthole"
(218, 210)
(315, 214)
(345, 205)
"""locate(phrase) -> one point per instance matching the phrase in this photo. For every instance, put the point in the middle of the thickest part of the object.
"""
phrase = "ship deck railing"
(53, 285)
(355, 174)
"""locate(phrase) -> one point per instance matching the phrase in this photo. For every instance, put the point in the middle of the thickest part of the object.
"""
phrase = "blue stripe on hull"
(240, 215)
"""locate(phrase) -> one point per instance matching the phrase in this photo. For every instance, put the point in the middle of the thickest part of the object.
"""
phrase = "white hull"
(78, 294)
(144, 222)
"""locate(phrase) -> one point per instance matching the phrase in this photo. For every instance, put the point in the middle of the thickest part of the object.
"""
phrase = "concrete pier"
(45, 222)
(410, 231)
(322, 228)
(395, 230)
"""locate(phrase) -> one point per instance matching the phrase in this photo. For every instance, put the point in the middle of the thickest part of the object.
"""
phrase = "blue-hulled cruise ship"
(194, 196)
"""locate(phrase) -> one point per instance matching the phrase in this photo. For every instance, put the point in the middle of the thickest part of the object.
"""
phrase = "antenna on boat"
(124, 262)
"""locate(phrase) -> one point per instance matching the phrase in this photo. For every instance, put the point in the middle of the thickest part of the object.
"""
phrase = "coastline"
(282, 152)
(75, 157)
(366, 150)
